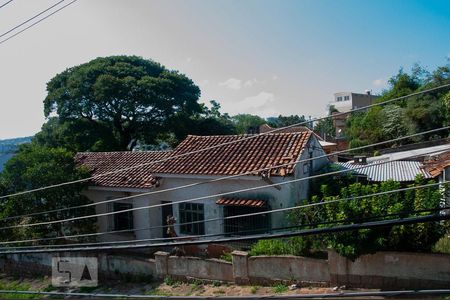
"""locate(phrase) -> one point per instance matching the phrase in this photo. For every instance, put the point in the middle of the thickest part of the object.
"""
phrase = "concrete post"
(162, 264)
(240, 267)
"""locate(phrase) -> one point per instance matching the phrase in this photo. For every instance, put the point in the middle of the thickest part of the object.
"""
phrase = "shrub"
(442, 246)
(292, 246)
(279, 288)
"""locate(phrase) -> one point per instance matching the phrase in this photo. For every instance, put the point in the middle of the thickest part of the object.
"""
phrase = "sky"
(264, 57)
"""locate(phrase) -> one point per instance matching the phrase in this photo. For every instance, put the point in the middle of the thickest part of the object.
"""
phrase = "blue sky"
(265, 57)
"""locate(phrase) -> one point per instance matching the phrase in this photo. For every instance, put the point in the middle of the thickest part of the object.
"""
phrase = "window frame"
(192, 212)
(118, 217)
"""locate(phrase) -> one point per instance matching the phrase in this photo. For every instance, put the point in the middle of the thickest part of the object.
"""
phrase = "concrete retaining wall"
(109, 266)
(389, 270)
(384, 270)
(288, 268)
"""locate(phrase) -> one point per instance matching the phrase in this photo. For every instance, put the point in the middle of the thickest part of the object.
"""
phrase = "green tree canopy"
(244, 122)
(33, 167)
(412, 115)
(135, 98)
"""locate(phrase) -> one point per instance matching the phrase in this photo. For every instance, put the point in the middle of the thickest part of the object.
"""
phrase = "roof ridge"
(105, 152)
(251, 134)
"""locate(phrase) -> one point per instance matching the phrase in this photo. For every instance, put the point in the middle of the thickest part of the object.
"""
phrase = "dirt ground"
(167, 288)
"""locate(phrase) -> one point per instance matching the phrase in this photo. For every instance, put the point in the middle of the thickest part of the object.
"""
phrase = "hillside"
(9, 146)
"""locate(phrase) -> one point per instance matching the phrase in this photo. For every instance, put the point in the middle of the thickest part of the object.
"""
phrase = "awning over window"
(241, 202)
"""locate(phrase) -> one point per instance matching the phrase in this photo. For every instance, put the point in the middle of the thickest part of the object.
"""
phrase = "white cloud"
(262, 104)
(250, 82)
(237, 84)
(274, 77)
(189, 59)
(448, 56)
(379, 82)
(232, 83)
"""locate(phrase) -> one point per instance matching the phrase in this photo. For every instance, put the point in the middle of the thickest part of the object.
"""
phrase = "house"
(197, 160)
(343, 103)
(346, 101)
(327, 146)
(402, 166)
(438, 166)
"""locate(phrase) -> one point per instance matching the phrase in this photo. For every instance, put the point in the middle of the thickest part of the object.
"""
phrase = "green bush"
(292, 246)
(442, 246)
(355, 209)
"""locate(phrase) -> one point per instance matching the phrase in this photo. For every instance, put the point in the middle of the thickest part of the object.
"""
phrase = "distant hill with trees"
(9, 146)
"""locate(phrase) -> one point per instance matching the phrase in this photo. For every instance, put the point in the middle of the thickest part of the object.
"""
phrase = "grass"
(279, 288)
(171, 282)
(16, 285)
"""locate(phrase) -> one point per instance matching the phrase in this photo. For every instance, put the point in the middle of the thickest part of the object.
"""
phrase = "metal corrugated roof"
(395, 170)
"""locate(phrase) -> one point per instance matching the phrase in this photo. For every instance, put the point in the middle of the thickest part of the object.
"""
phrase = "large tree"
(132, 96)
(33, 167)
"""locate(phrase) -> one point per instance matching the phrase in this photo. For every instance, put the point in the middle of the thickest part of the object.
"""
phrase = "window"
(192, 212)
(339, 99)
(346, 98)
(246, 225)
(123, 221)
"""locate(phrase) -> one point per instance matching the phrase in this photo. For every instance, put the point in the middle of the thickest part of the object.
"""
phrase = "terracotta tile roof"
(241, 202)
(267, 128)
(437, 163)
(252, 154)
(104, 162)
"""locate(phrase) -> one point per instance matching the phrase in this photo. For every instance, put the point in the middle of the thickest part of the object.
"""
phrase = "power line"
(35, 23)
(241, 232)
(199, 198)
(6, 3)
(221, 178)
(32, 18)
(222, 144)
(341, 228)
(233, 217)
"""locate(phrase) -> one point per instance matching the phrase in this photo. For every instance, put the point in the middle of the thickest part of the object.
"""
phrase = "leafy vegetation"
(415, 237)
(279, 288)
(33, 167)
(442, 246)
(409, 116)
(291, 246)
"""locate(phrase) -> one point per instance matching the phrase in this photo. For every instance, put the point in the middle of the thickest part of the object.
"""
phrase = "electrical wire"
(224, 144)
(221, 178)
(6, 3)
(35, 23)
(32, 18)
(335, 229)
(230, 217)
(235, 233)
(204, 197)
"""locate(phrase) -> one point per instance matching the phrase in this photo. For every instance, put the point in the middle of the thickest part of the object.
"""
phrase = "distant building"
(346, 101)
